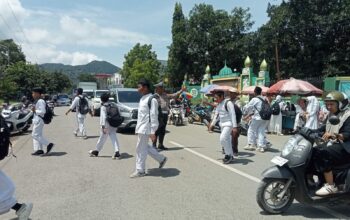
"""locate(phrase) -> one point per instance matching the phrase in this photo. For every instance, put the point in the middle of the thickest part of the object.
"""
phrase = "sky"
(80, 31)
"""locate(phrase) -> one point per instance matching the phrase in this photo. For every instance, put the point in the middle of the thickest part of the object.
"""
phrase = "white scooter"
(17, 118)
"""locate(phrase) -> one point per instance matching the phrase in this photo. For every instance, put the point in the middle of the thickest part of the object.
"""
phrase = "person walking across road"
(233, 93)
(257, 128)
(106, 128)
(164, 102)
(81, 105)
(38, 124)
(147, 124)
(226, 112)
(275, 125)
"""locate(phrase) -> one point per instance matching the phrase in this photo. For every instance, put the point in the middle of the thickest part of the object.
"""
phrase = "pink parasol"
(294, 87)
(223, 89)
(250, 90)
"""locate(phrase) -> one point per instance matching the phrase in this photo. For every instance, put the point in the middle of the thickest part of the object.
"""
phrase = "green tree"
(57, 82)
(140, 62)
(86, 77)
(9, 47)
(178, 54)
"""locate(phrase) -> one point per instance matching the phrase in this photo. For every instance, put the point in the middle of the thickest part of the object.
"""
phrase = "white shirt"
(75, 104)
(227, 118)
(254, 106)
(40, 110)
(145, 125)
(103, 115)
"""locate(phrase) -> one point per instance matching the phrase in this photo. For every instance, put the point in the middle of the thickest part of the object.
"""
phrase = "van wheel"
(267, 196)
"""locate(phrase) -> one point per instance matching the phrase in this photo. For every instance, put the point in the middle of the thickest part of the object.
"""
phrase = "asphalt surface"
(193, 184)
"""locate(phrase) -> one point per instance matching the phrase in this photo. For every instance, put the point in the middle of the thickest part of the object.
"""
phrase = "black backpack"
(5, 142)
(160, 114)
(47, 118)
(238, 111)
(83, 106)
(275, 108)
(113, 115)
(265, 111)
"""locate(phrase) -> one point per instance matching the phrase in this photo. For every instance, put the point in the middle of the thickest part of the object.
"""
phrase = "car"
(127, 100)
(63, 100)
(96, 101)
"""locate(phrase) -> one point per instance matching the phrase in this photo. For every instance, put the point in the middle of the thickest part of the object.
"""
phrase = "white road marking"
(253, 178)
(217, 162)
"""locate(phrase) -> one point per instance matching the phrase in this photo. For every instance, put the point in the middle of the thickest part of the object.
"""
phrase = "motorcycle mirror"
(334, 120)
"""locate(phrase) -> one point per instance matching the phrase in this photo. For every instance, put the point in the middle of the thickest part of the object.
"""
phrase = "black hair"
(257, 90)
(220, 93)
(144, 82)
(105, 97)
(80, 91)
(38, 90)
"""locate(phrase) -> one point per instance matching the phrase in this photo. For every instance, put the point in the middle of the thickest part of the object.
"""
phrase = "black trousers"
(325, 158)
(160, 133)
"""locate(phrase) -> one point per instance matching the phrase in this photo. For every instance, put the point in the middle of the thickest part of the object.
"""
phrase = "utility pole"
(278, 73)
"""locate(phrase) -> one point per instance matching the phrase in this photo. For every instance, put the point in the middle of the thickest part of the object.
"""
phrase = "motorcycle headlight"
(289, 146)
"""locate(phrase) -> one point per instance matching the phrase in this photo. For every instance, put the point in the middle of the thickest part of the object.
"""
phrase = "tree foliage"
(311, 37)
(86, 77)
(140, 62)
(10, 53)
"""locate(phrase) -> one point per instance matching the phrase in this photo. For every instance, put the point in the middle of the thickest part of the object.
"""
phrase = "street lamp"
(6, 54)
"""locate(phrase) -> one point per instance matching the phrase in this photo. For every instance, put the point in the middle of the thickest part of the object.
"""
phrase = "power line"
(21, 29)
(10, 29)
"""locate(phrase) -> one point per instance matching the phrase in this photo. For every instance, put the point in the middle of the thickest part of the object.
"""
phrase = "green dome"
(263, 65)
(247, 62)
(226, 70)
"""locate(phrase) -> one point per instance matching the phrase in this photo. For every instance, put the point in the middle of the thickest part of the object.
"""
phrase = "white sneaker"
(75, 134)
(85, 137)
(327, 190)
(261, 149)
(268, 145)
(137, 174)
(250, 147)
(24, 212)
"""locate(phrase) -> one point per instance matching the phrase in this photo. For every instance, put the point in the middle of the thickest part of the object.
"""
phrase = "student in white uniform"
(275, 125)
(312, 110)
(38, 124)
(80, 116)
(146, 127)
(8, 201)
(257, 128)
(227, 123)
(106, 130)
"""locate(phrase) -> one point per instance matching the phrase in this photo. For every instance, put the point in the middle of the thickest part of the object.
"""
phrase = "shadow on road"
(56, 154)
(164, 172)
(92, 137)
(123, 156)
(297, 209)
(242, 161)
(174, 148)
(245, 154)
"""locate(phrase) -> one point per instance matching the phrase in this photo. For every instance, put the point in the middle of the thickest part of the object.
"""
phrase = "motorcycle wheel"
(267, 196)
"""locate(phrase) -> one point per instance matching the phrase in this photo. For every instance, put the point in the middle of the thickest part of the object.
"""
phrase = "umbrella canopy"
(250, 90)
(222, 88)
(294, 87)
(206, 89)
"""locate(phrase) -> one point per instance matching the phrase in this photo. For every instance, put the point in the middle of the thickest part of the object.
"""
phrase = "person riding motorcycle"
(336, 148)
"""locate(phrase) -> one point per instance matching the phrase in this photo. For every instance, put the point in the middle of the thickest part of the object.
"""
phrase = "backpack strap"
(226, 103)
(150, 105)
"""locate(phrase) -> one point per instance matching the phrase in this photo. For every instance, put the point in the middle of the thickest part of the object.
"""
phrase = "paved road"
(193, 185)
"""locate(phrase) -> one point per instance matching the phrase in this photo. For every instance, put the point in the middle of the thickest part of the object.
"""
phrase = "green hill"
(74, 71)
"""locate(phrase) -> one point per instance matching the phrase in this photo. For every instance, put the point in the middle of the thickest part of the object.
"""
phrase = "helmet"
(337, 97)
(345, 102)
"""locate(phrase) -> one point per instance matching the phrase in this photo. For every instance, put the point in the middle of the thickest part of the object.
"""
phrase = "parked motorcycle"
(17, 118)
(288, 179)
(176, 114)
(199, 114)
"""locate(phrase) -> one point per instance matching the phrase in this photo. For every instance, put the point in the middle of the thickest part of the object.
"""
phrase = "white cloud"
(48, 30)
